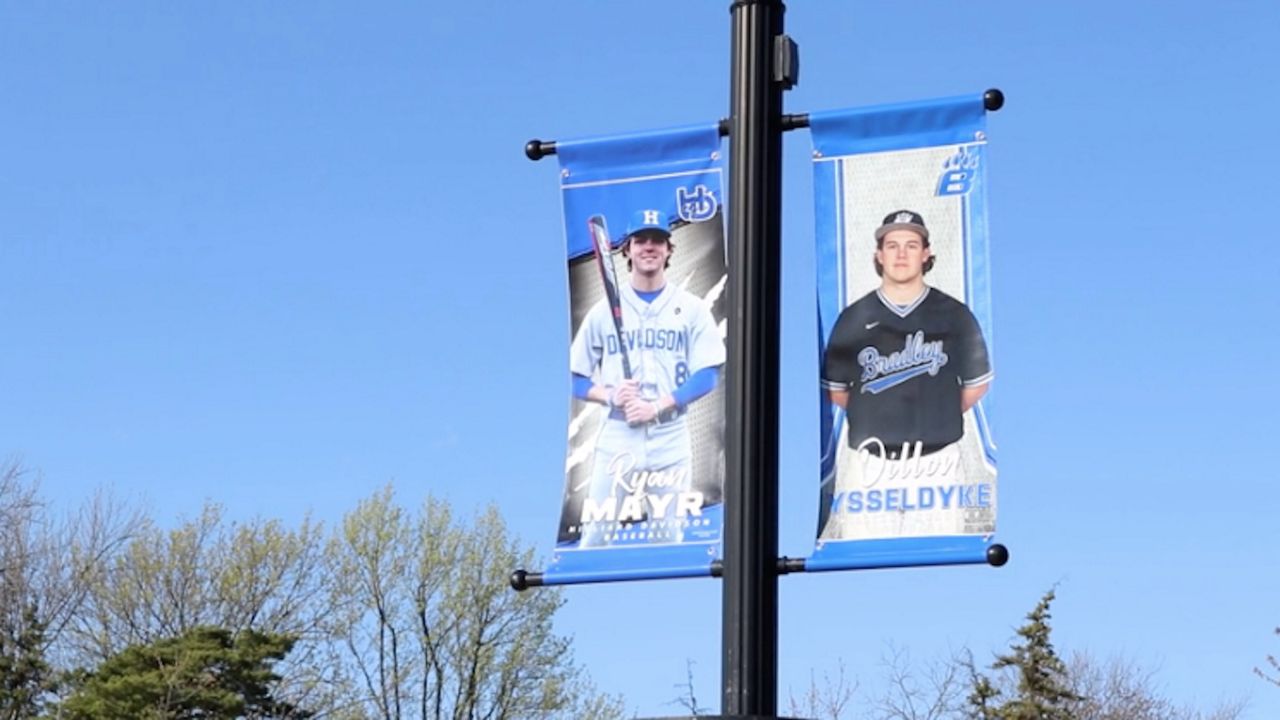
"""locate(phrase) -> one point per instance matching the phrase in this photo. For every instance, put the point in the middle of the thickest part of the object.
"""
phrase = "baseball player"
(675, 348)
(905, 361)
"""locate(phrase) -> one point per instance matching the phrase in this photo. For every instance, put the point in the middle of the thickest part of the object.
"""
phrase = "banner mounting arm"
(535, 149)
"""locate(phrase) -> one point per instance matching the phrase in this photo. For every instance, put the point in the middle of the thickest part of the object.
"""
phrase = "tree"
(827, 700)
(206, 571)
(25, 676)
(1031, 682)
(1038, 685)
(688, 698)
(45, 565)
(983, 694)
(210, 572)
(431, 628)
(1119, 689)
(204, 673)
(392, 614)
(933, 694)
(1041, 686)
(1272, 675)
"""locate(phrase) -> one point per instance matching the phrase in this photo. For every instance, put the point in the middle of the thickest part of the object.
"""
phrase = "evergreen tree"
(25, 676)
(1042, 689)
(982, 696)
(398, 613)
(204, 673)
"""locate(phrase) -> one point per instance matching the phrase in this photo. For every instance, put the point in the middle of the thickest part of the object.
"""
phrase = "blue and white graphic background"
(680, 173)
(864, 189)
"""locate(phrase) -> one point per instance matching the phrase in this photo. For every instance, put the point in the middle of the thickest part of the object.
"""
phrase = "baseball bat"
(609, 275)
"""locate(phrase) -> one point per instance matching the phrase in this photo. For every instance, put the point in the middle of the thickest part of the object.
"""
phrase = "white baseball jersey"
(667, 341)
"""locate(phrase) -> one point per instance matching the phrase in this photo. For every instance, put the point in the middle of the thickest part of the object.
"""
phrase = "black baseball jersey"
(904, 367)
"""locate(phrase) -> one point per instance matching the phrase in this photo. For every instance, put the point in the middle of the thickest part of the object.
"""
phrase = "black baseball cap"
(902, 220)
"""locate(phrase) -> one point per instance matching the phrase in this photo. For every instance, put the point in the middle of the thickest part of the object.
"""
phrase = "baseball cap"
(642, 220)
(902, 220)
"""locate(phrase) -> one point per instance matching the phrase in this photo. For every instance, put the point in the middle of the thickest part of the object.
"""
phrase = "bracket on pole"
(992, 100)
(786, 61)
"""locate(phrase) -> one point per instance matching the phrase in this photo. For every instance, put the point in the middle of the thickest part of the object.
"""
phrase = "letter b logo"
(955, 182)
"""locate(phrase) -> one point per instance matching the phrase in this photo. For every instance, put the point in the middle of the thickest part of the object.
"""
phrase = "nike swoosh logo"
(871, 325)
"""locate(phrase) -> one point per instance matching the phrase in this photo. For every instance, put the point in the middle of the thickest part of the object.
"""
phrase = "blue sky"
(278, 255)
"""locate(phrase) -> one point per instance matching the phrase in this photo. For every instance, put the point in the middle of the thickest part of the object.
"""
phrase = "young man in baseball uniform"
(640, 474)
(905, 361)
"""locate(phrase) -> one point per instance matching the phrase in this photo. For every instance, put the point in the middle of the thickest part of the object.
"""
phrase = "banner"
(908, 464)
(644, 472)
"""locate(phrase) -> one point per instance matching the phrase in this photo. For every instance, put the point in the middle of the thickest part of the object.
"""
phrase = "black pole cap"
(997, 555)
(523, 580)
(519, 580)
(538, 149)
(993, 99)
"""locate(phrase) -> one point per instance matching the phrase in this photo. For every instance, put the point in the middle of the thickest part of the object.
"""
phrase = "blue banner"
(644, 471)
(908, 460)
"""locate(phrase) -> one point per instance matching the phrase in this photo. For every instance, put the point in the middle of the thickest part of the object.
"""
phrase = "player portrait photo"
(906, 365)
(645, 458)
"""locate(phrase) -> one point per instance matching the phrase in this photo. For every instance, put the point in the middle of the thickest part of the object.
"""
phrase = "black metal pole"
(749, 672)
